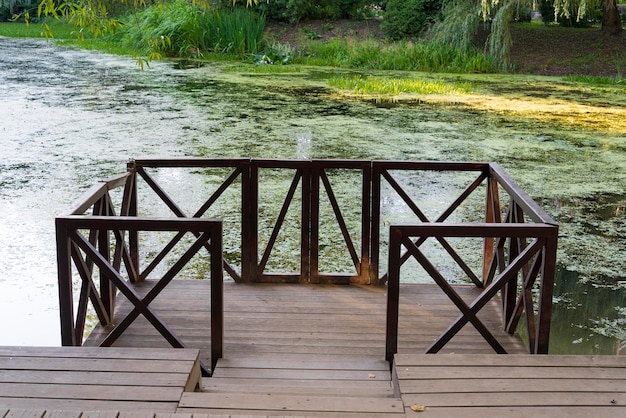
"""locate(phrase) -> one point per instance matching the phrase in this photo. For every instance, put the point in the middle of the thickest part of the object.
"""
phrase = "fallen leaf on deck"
(418, 408)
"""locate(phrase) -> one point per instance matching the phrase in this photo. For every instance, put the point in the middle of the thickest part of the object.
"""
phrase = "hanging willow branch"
(462, 19)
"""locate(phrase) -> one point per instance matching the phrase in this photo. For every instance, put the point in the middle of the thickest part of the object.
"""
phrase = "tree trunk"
(611, 21)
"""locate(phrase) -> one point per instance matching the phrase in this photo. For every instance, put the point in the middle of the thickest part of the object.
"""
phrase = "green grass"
(65, 34)
(596, 80)
(60, 29)
(395, 86)
(403, 56)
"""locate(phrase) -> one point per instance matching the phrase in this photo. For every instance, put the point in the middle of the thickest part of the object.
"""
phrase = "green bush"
(409, 18)
(299, 10)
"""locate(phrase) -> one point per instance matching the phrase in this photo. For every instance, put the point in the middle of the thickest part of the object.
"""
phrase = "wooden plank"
(93, 378)
(86, 405)
(235, 413)
(304, 374)
(85, 364)
(87, 391)
(482, 384)
(25, 413)
(504, 372)
(302, 363)
(100, 353)
(517, 412)
(294, 387)
(521, 399)
(404, 360)
(285, 403)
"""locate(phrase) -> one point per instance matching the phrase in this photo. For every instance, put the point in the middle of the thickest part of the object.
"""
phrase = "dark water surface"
(70, 117)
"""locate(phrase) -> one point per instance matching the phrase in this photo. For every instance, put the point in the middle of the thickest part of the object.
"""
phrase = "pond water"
(70, 117)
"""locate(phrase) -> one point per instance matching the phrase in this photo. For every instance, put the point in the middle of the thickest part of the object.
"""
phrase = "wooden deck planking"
(285, 344)
(339, 321)
(78, 378)
(513, 386)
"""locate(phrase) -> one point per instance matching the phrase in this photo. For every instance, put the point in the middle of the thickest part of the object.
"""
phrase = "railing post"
(375, 225)
(546, 292)
(133, 236)
(217, 296)
(253, 249)
(313, 202)
(366, 226)
(64, 271)
(393, 293)
(492, 205)
(249, 241)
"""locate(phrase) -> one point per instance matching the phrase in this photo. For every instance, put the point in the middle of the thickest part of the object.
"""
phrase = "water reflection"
(69, 117)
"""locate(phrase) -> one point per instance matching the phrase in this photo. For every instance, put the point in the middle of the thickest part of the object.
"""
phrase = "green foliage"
(409, 56)
(16, 9)
(409, 18)
(462, 19)
(297, 10)
(395, 86)
(596, 80)
(181, 29)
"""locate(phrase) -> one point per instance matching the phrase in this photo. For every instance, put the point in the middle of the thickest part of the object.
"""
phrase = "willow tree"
(462, 19)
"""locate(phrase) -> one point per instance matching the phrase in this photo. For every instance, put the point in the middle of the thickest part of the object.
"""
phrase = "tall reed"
(405, 56)
(180, 28)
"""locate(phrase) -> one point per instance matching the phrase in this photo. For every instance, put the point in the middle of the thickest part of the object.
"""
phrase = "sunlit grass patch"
(60, 29)
(395, 86)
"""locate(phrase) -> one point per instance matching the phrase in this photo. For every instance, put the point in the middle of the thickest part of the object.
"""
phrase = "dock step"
(289, 405)
(317, 385)
(306, 375)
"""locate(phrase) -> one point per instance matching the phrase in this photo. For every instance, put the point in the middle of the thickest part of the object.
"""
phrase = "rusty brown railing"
(517, 251)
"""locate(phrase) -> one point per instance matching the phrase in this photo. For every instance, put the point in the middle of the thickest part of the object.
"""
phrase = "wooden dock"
(78, 382)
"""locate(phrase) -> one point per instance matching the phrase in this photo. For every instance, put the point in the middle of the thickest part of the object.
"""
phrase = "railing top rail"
(430, 165)
(96, 192)
(190, 162)
(494, 230)
(135, 223)
(347, 164)
(528, 205)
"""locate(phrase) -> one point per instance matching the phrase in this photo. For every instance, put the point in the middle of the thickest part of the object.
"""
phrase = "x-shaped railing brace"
(469, 312)
(140, 305)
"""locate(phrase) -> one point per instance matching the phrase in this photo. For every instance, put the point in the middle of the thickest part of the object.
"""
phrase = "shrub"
(409, 18)
(298, 10)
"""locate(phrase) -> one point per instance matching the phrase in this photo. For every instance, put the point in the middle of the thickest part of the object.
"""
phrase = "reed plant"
(400, 56)
(183, 29)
